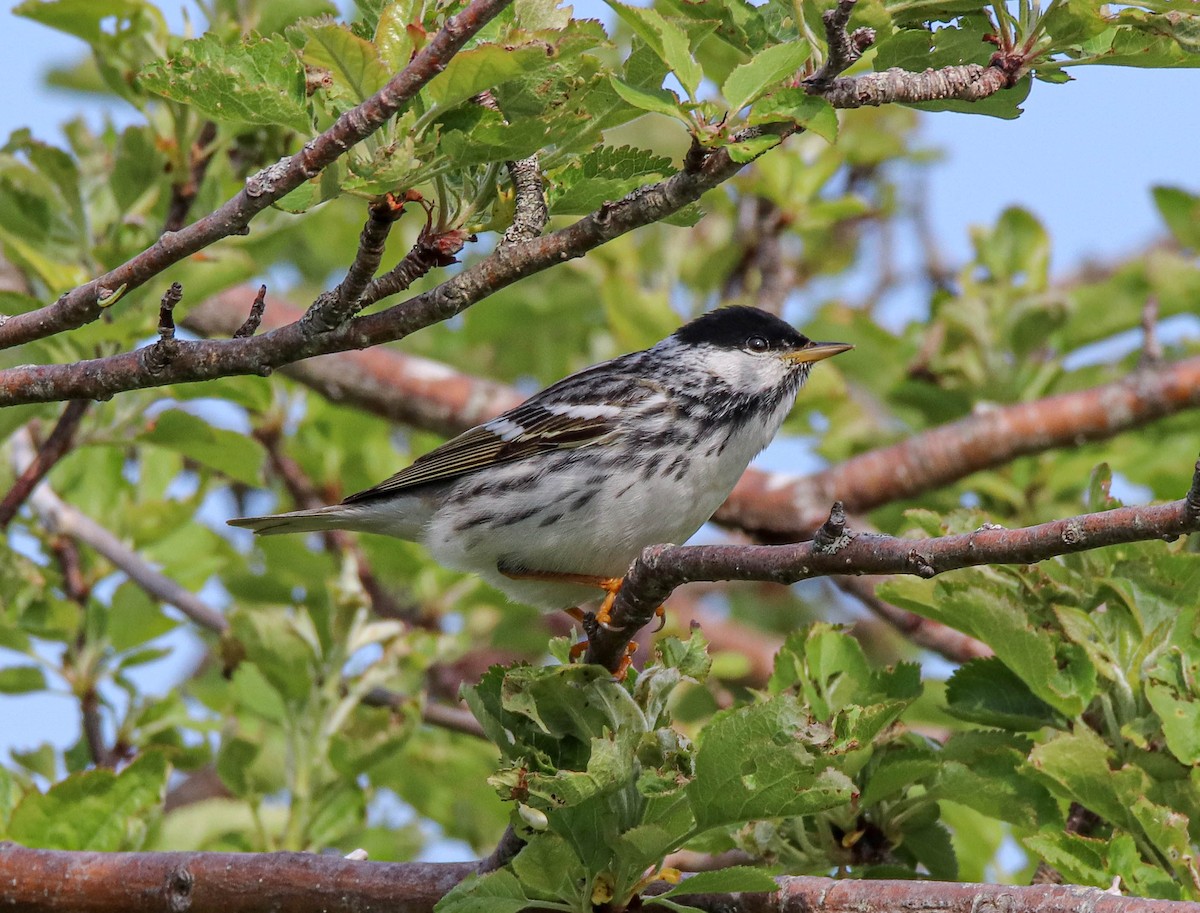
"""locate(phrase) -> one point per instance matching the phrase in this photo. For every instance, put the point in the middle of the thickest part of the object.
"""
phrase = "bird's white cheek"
(745, 372)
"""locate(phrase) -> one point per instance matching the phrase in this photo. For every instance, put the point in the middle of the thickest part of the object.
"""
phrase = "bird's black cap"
(731, 327)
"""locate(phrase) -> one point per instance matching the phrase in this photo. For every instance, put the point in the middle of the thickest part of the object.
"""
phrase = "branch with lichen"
(835, 549)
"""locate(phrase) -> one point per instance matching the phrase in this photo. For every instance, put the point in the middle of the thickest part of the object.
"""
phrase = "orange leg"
(602, 616)
(610, 585)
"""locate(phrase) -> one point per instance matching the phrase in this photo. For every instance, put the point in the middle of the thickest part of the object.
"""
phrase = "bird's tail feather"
(297, 521)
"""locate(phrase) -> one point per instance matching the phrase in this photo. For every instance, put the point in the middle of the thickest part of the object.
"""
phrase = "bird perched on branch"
(554, 499)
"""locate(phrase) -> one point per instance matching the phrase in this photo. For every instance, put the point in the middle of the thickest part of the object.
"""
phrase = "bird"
(552, 501)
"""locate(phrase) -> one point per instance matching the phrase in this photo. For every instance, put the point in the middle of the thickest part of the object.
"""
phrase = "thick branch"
(82, 305)
(834, 550)
(530, 213)
(965, 82)
(207, 359)
(394, 385)
(51, 881)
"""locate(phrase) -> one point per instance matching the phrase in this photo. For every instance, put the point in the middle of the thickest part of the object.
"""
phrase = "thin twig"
(842, 48)
(336, 307)
(1152, 350)
(254, 318)
(530, 213)
(85, 303)
(55, 447)
(183, 193)
(63, 519)
(156, 357)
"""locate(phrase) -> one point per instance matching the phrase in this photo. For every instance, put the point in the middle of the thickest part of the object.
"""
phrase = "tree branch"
(61, 518)
(336, 307)
(836, 550)
(964, 82)
(205, 360)
(842, 48)
(55, 881)
(56, 446)
(530, 213)
(85, 303)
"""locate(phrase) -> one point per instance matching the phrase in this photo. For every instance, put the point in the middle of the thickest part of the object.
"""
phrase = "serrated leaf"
(748, 82)
(765, 761)
(353, 62)
(986, 691)
(667, 40)
(93, 810)
(495, 892)
(604, 174)
(485, 67)
(257, 82)
(750, 149)
(809, 111)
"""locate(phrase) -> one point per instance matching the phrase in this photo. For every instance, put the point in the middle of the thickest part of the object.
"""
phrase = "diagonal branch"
(836, 550)
(205, 360)
(56, 446)
(336, 307)
(85, 303)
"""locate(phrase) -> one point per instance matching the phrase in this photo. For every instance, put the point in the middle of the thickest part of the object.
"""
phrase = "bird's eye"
(757, 344)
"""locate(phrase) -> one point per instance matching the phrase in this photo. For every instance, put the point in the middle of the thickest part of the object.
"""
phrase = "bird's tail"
(298, 521)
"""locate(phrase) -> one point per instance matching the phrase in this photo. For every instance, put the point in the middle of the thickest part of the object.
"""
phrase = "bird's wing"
(533, 427)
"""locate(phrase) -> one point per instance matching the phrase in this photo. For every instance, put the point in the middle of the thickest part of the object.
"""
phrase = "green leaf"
(80, 18)
(767, 760)
(987, 771)
(750, 149)
(135, 618)
(495, 892)
(394, 34)
(605, 173)
(485, 67)
(656, 101)
(549, 869)
(809, 111)
(986, 691)
(21, 680)
(237, 456)
(667, 40)
(257, 82)
(736, 879)
(748, 82)
(353, 62)
(1181, 211)
(94, 810)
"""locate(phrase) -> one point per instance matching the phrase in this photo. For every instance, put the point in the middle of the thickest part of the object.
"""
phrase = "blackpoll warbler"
(556, 497)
